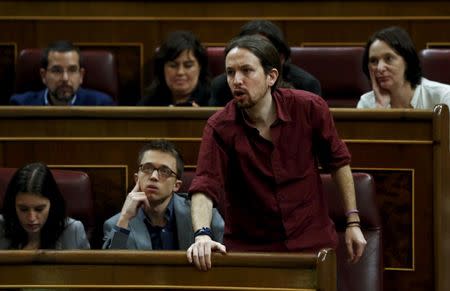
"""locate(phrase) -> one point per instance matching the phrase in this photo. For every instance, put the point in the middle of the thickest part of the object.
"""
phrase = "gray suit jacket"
(73, 237)
(139, 237)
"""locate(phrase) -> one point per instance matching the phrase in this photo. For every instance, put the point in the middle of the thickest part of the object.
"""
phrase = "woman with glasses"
(34, 214)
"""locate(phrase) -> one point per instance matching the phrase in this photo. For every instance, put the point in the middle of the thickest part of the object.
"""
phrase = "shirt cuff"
(121, 230)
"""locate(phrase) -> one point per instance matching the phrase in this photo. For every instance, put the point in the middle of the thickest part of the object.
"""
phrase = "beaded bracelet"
(347, 214)
(353, 223)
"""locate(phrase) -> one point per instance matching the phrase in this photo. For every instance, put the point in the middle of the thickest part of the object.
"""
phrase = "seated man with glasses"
(152, 216)
(62, 74)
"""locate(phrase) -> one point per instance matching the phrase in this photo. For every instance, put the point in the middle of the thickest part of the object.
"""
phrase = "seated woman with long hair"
(34, 214)
(181, 73)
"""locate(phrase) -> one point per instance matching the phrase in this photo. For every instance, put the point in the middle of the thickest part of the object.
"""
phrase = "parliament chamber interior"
(400, 158)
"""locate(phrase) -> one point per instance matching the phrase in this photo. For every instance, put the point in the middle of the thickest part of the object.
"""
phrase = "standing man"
(152, 216)
(62, 74)
(259, 162)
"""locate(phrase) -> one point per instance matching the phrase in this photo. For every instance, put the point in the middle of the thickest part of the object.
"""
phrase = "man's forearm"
(344, 182)
(201, 211)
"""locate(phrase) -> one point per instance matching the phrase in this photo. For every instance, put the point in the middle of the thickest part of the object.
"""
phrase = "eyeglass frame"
(162, 167)
(59, 71)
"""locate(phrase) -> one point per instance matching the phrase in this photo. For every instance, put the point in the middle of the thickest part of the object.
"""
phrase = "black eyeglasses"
(59, 71)
(164, 172)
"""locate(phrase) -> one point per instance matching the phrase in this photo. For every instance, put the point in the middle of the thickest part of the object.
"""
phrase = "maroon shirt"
(270, 193)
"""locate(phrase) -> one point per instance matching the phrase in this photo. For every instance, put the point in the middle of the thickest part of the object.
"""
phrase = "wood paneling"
(220, 8)
(407, 151)
(7, 69)
(397, 207)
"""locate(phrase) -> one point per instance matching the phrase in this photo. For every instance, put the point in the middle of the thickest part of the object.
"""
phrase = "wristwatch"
(203, 231)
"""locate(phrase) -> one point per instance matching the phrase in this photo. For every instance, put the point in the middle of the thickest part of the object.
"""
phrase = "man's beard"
(246, 104)
(62, 94)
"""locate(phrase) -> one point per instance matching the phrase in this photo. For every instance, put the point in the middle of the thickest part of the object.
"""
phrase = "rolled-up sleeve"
(211, 167)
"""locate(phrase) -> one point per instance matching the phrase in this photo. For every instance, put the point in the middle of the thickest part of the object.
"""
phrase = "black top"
(163, 97)
(299, 78)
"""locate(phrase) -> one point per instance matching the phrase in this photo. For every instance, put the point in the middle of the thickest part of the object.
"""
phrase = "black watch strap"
(203, 231)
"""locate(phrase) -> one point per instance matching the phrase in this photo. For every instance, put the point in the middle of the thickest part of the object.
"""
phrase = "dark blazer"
(297, 77)
(84, 97)
(161, 96)
(139, 237)
(73, 237)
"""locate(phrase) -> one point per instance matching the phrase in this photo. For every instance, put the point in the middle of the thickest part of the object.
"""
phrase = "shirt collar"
(46, 102)
(168, 215)
(282, 108)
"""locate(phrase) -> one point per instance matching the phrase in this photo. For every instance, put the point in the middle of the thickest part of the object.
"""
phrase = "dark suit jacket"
(84, 97)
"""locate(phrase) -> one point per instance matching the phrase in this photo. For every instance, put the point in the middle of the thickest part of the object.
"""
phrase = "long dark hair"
(34, 178)
(158, 93)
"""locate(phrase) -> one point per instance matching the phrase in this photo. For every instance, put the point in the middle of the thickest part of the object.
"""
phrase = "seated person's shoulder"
(74, 236)
(182, 197)
(4, 242)
(367, 100)
(73, 223)
(439, 92)
(301, 79)
(93, 97)
(435, 85)
(220, 92)
(112, 220)
(28, 98)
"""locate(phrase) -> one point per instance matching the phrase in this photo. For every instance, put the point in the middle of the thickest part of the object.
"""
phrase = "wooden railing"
(167, 270)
